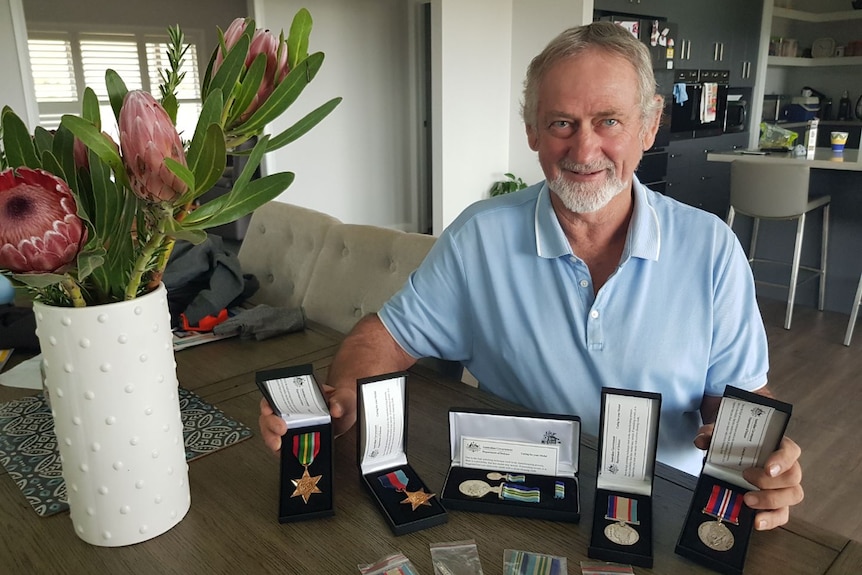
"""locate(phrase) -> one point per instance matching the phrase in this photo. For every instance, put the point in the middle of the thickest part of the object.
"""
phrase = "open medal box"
(403, 498)
(628, 438)
(717, 528)
(514, 463)
(306, 487)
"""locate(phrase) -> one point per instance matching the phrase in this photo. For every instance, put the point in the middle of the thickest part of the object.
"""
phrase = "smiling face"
(589, 131)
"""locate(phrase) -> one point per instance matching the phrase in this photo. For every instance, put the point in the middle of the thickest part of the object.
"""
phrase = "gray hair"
(605, 36)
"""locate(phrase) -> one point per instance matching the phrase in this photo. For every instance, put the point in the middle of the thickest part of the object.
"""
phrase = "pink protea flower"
(40, 230)
(147, 137)
(262, 42)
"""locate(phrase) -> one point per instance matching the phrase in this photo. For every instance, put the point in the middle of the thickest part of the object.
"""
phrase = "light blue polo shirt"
(502, 292)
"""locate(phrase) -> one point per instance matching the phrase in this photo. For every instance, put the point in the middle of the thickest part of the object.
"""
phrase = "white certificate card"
(297, 398)
(383, 419)
(516, 456)
(625, 437)
(740, 433)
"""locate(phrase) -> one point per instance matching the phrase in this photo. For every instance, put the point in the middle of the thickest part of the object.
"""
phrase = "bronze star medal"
(306, 485)
(417, 498)
(305, 448)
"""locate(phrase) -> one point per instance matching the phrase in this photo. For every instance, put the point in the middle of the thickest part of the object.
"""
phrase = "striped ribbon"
(515, 492)
(306, 447)
(396, 480)
(559, 490)
(724, 504)
(623, 509)
(515, 478)
(523, 563)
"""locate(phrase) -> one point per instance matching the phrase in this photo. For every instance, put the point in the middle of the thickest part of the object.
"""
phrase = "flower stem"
(142, 264)
(73, 290)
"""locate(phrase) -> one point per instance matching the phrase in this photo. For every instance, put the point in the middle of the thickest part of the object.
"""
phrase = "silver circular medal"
(621, 533)
(494, 476)
(474, 488)
(715, 535)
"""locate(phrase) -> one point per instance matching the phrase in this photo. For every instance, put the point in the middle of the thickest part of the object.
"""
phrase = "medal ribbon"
(559, 490)
(306, 447)
(515, 492)
(524, 563)
(623, 509)
(515, 478)
(396, 480)
(724, 504)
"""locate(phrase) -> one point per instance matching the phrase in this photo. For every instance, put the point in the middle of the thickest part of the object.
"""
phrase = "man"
(584, 280)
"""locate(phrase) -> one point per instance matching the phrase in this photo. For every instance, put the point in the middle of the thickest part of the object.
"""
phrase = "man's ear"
(653, 123)
(532, 137)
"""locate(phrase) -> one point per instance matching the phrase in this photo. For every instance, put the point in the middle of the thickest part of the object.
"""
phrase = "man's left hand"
(779, 481)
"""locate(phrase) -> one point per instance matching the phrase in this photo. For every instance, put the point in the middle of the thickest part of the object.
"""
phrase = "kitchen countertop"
(824, 158)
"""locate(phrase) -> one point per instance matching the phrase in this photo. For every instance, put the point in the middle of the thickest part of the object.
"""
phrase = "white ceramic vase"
(111, 375)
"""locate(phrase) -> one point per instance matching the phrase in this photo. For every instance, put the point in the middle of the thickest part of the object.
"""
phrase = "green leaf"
(91, 109)
(297, 40)
(39, 281)
(250, 167)
(302, 126)
(50, 164)
(226, 77)
(170, 104)
(284, 94)
(63, 149)
(191, 236)
(205, 85)
(44, 141)
(116, 91)
(210, 114)
(210, 163)
(181, 172)
(249, 87)
(89, 261)
(17, 143)
(229, 207)
(93, 139)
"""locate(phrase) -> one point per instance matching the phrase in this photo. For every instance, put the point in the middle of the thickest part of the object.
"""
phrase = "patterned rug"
(28, 446)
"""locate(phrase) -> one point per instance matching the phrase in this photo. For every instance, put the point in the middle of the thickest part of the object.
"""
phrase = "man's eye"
(610, 122)
(560, 124)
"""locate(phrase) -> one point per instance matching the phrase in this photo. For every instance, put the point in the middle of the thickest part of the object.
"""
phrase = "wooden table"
(232, 525)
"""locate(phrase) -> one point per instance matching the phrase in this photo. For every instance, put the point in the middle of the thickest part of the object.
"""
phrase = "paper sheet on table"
(25, 375)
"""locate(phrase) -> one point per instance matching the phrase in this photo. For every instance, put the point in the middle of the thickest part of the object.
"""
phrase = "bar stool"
(765, 191)
(854, 311)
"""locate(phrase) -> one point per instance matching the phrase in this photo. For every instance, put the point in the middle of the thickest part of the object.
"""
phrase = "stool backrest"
(768, 190)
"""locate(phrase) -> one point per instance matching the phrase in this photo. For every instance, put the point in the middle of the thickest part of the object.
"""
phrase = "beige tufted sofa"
(337, 272)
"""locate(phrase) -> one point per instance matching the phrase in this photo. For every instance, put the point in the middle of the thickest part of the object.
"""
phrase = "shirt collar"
(644, 237)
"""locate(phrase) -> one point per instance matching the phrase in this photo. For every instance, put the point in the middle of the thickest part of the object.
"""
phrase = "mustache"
(586, 168)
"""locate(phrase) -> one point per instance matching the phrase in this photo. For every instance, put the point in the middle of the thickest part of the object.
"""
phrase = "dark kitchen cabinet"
(693, 180)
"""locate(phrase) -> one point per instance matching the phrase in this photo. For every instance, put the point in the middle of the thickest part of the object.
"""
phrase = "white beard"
(585, 198)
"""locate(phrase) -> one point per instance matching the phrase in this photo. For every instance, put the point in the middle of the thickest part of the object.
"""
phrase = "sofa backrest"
(358, 269)
(280, 249)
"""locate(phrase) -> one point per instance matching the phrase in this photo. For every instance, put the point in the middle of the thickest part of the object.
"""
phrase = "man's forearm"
(709, 405)
(367, 351)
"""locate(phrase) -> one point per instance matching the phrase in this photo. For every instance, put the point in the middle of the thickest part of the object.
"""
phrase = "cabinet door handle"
(721, 52)
(688, 50)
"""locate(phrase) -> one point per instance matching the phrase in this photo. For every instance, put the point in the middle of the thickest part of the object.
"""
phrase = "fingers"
(766, 520)
(704, 437)
(783, 459)
(780, 483)
(342, 408)
(272, 427)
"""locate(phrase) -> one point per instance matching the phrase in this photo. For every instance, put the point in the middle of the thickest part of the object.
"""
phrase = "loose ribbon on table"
(724, 504)
(396, 480)
(559, 490)
(306, 447)
(623, 509)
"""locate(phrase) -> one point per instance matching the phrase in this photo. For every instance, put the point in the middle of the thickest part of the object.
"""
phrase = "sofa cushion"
(358, 269)
(280, 249)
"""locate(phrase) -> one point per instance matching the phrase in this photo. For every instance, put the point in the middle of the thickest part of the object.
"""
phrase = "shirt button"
(594, 314)
(584, 283)
(573, 259)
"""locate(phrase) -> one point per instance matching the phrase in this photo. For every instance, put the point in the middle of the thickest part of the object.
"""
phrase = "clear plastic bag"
(456, 558)
(774, 137)
(523, 562)
(395, 564)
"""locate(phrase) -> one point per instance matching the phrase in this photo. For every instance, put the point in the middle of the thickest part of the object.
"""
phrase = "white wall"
(16, 91)
(356, 164)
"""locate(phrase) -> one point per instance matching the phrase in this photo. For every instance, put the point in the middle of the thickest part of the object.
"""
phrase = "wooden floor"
(811, 368)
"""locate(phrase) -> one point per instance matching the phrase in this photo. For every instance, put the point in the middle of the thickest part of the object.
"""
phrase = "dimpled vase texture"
(111, 376)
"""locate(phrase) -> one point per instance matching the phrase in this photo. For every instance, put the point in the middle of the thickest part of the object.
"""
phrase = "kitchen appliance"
(803, 108)
(701, 112)
(736, 119)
